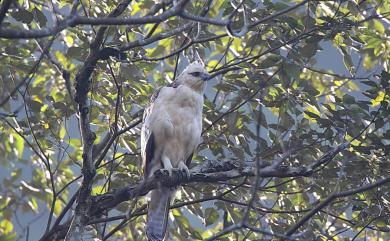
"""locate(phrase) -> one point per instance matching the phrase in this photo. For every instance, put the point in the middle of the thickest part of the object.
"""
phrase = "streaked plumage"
(171, 131)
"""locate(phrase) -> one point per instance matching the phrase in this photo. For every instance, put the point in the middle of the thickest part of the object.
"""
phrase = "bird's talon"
(183, 167)
(169, 170)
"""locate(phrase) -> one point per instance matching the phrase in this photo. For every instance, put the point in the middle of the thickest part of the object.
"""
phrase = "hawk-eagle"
(171, 131)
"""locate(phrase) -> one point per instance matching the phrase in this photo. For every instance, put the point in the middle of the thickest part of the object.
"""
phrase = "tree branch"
(330, 198)
(227, 23)
(210, 171)
(74, 20)
(155, 38)
(4, 8)
(88, 170)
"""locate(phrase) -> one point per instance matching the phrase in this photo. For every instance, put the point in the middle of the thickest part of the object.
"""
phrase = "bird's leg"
(167, 165)
(183, 167)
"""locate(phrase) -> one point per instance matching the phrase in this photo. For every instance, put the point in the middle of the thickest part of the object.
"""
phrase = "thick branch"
(81, 20)
(210, 171)
(227, 23)
(83, 82)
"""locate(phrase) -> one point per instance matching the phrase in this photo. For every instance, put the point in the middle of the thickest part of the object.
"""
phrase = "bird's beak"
(205, 76)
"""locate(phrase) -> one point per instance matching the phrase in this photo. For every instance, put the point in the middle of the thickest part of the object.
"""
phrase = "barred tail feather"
(158, 210)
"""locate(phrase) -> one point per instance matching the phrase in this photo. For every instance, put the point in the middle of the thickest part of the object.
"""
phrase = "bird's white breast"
(176, 120)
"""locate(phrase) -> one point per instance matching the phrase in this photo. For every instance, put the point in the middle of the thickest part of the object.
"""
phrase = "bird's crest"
(193, 56)
(197, 58)
(194, 65)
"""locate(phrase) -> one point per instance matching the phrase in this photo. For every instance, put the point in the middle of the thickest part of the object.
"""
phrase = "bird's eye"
(195, 74)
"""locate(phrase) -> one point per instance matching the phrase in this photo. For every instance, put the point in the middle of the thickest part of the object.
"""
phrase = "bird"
(170, 133)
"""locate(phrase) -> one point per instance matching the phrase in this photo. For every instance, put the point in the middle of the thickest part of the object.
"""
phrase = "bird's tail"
(158, 210)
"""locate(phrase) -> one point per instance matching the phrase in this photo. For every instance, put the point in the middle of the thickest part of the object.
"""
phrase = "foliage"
(269, 102)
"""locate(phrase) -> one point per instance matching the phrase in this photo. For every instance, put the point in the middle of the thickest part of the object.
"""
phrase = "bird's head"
(194, 76)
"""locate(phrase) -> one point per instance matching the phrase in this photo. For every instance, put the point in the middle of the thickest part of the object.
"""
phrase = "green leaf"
(77, 53)
(35, 106)
(280, 6)
(62, 132)
(211, 216)
(196, 235)
(347, 99)
(40, 17)
(379, 98)
(61, 58)
(23, 15)
(311, 114)
(96, 190)
(310, 49)
(382, 223)
(348, 61)
(32, 203)
(270, 60)
(8, 237)
(385, 79)
(19, 143)
(370, 83)
(6, 226)
(57, 208)
(378, 26)
(372, 43)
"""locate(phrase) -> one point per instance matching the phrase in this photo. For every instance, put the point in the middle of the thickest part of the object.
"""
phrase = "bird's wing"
(189, 159)
(147, 137)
